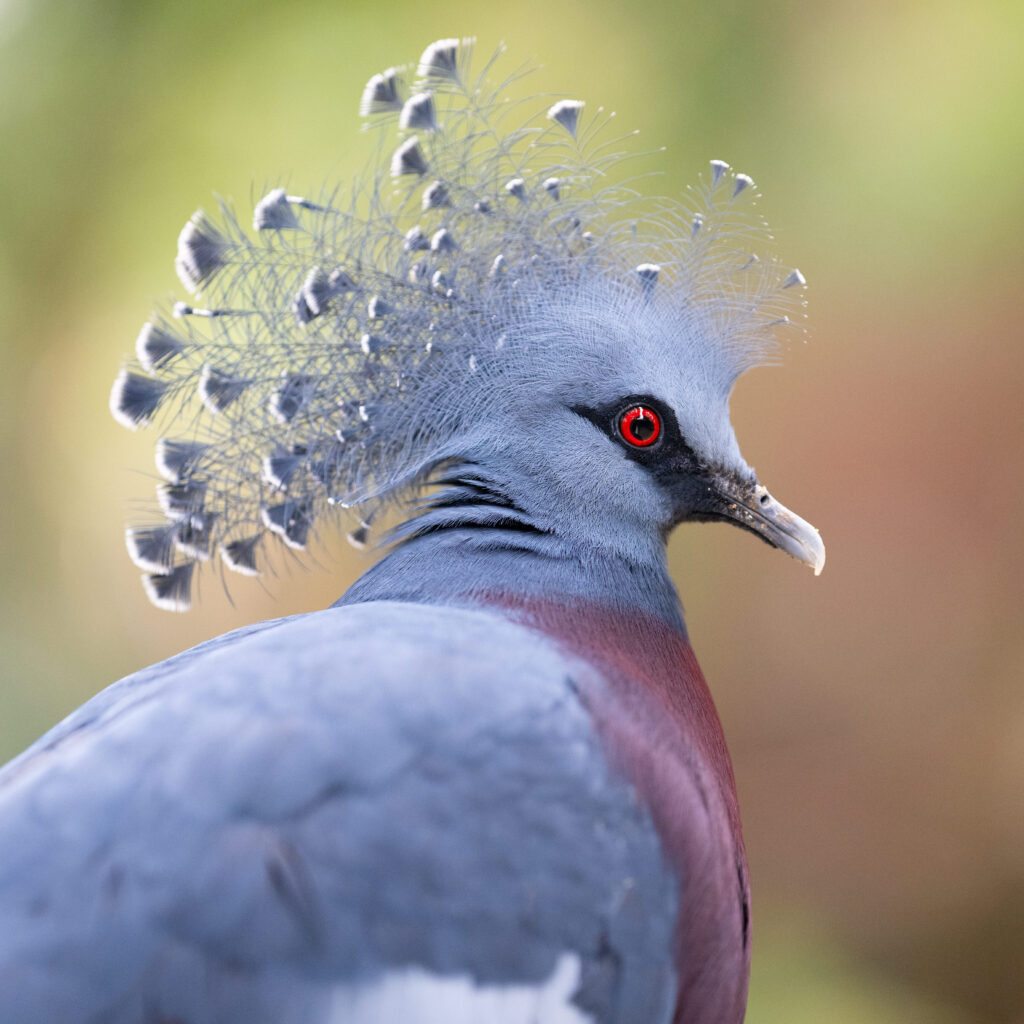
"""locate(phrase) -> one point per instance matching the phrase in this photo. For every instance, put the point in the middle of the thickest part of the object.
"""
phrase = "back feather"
(343, 344)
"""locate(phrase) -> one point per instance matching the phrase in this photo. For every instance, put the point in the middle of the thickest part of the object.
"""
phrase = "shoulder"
(381, 791)
(266, 721)
(339, 794)
(344, 655)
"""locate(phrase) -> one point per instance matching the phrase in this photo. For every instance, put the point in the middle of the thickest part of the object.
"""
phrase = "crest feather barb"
(341, 344)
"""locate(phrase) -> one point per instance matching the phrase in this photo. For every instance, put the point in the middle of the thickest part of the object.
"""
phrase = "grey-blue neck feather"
(463, 565)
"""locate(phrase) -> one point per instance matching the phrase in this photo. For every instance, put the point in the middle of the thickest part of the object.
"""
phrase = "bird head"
(485, 305)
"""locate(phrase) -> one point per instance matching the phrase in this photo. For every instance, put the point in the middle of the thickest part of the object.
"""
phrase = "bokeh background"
(875, 715)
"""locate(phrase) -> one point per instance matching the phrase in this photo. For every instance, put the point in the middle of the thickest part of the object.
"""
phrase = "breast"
(659, 728)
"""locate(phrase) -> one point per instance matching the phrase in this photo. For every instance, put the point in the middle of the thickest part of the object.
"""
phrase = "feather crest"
(344, 343)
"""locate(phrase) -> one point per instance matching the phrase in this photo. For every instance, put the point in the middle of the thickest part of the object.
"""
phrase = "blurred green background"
(875, 715)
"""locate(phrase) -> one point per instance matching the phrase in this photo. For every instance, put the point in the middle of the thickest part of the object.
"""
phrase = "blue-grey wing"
(330, 818)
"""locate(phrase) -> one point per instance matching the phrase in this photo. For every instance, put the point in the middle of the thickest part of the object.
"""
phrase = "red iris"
(640, 426)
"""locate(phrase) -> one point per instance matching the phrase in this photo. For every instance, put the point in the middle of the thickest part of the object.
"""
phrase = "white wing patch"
(415, 996)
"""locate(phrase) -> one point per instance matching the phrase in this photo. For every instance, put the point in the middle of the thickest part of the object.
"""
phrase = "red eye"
(640, 426)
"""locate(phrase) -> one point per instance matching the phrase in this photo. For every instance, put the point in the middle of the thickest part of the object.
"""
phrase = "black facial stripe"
(668, 455)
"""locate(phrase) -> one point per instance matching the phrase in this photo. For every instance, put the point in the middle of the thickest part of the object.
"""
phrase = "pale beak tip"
(820, 564)
(816, 553)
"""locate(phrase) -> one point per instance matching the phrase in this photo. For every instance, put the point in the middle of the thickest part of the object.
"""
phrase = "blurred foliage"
(876, 716)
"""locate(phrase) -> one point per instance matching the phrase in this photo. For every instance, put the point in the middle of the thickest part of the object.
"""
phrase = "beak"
(751, 506)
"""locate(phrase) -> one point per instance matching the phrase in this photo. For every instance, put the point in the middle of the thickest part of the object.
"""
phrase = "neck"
(509, 566)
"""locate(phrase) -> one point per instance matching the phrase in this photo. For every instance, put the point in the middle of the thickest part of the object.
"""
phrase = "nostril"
(764, 499)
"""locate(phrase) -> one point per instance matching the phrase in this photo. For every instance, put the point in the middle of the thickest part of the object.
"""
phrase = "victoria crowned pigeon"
(489, 784)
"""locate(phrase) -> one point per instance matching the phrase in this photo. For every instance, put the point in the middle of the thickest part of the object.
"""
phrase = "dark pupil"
(642, 428)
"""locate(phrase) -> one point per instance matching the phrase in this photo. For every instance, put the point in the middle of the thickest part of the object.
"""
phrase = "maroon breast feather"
(657, 722)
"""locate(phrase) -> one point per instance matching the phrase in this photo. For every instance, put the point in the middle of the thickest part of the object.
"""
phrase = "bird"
(489, 784)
